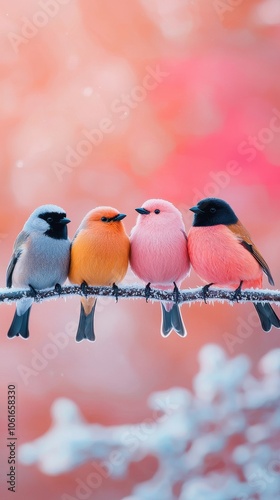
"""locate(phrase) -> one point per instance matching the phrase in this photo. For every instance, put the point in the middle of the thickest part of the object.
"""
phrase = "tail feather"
(166, 325)
(177, 321)
(268, 317)
(86, 327)
(19, 326)
(172, 320)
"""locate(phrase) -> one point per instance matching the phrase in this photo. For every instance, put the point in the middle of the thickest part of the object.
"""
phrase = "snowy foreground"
(220, 442)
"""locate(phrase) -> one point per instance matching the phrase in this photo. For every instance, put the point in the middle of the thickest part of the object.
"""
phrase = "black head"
(57, 222)
(212, 211)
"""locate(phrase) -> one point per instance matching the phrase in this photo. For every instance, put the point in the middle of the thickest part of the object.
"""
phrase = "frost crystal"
(220, 442)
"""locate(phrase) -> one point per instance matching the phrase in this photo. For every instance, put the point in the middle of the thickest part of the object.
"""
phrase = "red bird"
(222, 253)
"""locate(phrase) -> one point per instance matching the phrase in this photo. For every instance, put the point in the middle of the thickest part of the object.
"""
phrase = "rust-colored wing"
(245, 239)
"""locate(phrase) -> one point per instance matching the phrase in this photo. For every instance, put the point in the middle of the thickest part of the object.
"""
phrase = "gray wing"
(18, 247)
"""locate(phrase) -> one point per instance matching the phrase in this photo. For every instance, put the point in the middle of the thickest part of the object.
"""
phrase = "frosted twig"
(136, 292)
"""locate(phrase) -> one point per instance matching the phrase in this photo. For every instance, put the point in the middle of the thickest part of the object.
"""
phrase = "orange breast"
(99, 260)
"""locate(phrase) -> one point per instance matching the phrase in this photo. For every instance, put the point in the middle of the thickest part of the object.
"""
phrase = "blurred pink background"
(181, 101)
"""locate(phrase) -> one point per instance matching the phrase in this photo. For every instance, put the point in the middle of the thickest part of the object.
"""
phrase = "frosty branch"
(136, 292)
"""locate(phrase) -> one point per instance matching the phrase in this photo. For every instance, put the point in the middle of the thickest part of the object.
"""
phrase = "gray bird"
(40, 260)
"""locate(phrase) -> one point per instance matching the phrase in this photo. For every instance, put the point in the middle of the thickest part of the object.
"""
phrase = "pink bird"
(222, 253)
(159, 255)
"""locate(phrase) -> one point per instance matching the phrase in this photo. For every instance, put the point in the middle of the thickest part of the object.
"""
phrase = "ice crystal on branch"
(219, 442)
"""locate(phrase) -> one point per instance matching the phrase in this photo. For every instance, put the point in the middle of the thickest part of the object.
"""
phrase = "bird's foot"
(115, 291)
(83, 287)
(34, 292)
(58, 288)
(147, 291)
(205, 291)
(237, 292)
(176, 293)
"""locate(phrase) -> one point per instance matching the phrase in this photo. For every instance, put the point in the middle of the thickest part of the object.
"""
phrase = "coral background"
(188, 137)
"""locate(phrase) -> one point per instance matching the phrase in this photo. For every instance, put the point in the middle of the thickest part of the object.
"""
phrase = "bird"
(159, 256)
(222, 253)
(40, 260)
(99, 257)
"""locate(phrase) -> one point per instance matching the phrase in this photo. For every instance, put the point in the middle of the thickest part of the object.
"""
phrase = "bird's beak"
(64, 221)
(196, 210)
(142, 211)
(118, 217)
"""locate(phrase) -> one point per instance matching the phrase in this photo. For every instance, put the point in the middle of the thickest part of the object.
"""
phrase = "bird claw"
(115, 291)
(205, 292)
(83, 287)
(176, 293)
(237, 292)
(34, 292)
(58, 288)
(147, 291)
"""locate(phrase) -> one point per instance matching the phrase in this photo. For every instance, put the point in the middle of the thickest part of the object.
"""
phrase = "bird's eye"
(157, 211)
(212, 210)
(104, 219)
(49, 220)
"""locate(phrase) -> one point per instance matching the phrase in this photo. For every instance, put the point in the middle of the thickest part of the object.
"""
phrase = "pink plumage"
(159, 254)
(222, 253)
(218, 257)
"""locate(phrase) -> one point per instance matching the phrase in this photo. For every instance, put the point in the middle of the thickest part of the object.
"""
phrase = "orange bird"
(99, 257)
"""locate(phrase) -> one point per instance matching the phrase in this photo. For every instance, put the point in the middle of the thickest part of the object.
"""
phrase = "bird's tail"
(19, 326)
(86, 328)
(172, 319)
(268, 317)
